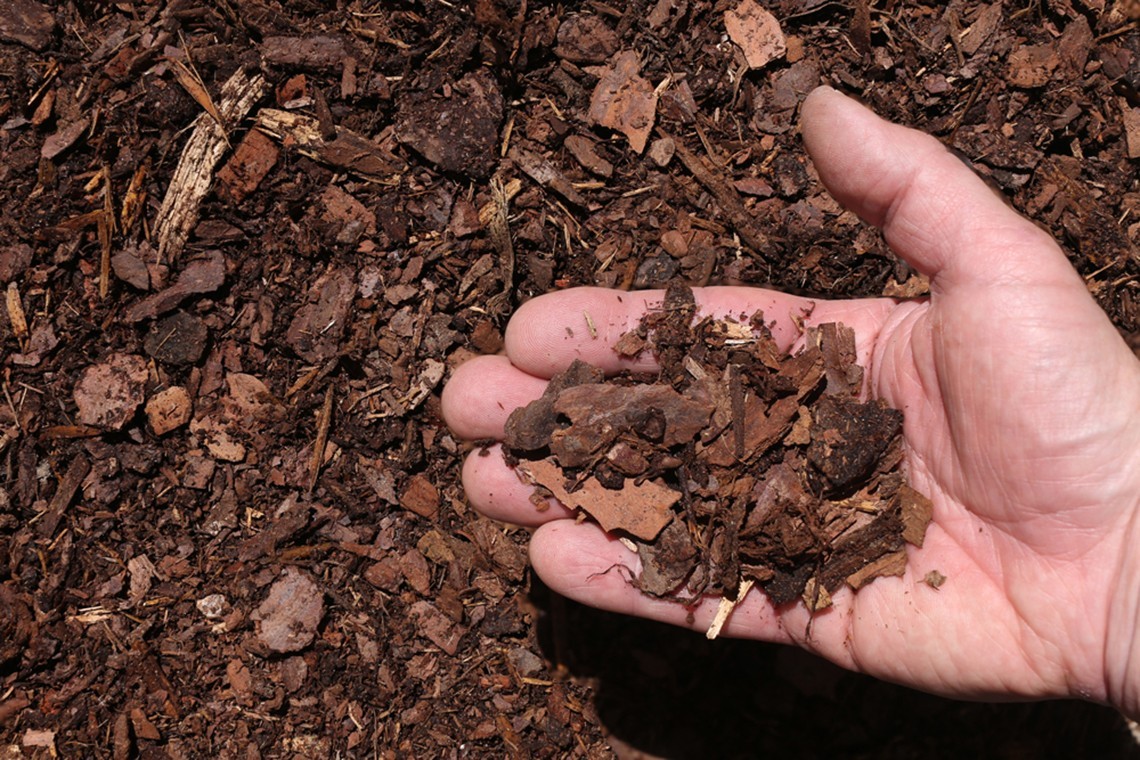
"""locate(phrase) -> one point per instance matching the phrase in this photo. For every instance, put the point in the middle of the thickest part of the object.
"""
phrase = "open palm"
(1021, 408)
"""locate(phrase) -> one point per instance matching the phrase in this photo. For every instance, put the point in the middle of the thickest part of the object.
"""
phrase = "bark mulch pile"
(243, 244)
(740, 464)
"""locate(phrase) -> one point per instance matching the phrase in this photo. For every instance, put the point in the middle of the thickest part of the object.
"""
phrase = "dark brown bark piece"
(27, 22)
(312, 53)
(318, 325)
(584, 38)
(848, 437)
(14, 260)
(459, 133)
(64, 494)
(200, 276)
(529, 428)
(598, 414)
(667, 562)
(177, 340)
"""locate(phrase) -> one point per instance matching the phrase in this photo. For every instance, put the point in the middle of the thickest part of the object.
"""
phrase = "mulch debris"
(245, 242)
(738, 464)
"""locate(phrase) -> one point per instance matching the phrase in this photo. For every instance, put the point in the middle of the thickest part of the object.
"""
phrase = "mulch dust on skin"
(737, 464)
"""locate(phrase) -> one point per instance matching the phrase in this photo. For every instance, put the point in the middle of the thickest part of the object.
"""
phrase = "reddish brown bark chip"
(757, 32)
(318, 325)
(421, 497)
(255, 157)
(385, 574)
(288, 618)
(625, 101)
(169, 409)
(587, 155)
(110, 392)
(316, 53)
(437, 627)
(641, 510)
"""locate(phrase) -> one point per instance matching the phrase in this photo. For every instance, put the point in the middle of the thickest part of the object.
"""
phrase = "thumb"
(933, 210)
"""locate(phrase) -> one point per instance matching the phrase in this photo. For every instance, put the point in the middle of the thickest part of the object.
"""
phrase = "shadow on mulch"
(662, 691)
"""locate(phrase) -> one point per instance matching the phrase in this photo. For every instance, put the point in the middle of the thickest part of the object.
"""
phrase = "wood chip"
(917, 511)
(421, 497)
(195, 171)
(725, 608)
(624, 101)
(168, 410)
(640, 510)
(349, 151)
(757, 32)
(288, 618)
(893, 564)
(109, 392)
(28, 23)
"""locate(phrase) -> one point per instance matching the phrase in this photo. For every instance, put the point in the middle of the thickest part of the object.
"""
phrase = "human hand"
(1021, 407)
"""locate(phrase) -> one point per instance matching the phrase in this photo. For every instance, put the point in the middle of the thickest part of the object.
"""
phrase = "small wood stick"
(106, 230)
(16, 315)
(725, 609)
(323, 424)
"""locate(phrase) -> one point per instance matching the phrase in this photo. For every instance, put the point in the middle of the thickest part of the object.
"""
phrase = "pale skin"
(1022, 424)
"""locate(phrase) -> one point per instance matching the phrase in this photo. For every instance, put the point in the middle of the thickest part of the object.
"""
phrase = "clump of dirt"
(738, 464)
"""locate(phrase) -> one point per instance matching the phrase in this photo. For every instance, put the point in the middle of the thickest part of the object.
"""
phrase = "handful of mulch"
(739, 464)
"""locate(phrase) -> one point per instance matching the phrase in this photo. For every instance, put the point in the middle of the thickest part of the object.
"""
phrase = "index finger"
(549, 332)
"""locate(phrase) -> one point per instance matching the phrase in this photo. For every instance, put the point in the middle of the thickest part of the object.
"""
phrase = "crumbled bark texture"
(737, 462)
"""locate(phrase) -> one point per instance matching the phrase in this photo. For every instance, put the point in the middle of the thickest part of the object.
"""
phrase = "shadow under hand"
(661, 691)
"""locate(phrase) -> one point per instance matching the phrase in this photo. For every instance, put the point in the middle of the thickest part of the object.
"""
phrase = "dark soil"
(244, 242)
